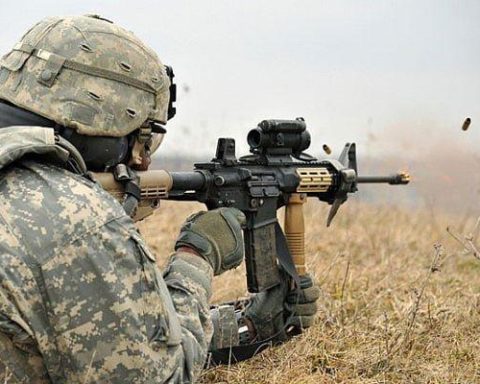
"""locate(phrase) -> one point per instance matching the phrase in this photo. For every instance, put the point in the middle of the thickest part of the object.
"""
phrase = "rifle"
(277, 173)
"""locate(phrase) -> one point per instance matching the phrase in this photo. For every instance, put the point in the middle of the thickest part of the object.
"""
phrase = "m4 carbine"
(277, 173)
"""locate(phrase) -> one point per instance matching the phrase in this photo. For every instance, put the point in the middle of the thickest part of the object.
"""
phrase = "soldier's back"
(73, 278)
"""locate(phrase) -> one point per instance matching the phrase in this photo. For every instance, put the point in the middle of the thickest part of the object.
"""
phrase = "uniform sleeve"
(114, 319)
(189, 279)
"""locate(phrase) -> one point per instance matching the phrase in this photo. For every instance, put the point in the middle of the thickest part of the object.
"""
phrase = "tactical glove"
(216, 236)
(281, 311)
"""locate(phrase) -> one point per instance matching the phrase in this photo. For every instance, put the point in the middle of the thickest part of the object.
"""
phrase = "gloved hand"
(280, 312)
(216, 236)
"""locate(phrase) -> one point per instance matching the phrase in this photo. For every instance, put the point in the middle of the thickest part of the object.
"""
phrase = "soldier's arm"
(189, 279)
(246, 327)
(209, 243)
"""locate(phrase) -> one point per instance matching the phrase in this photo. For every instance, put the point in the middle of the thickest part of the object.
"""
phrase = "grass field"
(401, 301)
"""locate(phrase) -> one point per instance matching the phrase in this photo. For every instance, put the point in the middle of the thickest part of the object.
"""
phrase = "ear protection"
(172, 110)
(99, 152)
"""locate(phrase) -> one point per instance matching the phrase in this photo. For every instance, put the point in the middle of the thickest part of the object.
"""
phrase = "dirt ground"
(401, 300)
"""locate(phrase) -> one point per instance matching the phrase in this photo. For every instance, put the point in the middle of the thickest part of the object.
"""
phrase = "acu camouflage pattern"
(37, 75)
(81, 298)
(225, 327)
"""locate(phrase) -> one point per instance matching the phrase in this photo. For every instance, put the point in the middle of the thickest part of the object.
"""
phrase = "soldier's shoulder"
(48, 205)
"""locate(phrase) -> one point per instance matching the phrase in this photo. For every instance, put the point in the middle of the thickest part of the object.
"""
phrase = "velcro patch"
(82, 114)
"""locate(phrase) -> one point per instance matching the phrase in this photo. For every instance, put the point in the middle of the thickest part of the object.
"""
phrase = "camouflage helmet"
(86, 73)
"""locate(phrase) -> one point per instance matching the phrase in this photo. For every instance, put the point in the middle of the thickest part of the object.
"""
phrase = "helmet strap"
(138, 152)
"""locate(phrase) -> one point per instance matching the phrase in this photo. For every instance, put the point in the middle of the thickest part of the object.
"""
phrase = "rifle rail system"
(277, 173)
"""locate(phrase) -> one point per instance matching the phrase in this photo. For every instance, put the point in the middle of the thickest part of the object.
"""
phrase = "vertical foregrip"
(295, 230)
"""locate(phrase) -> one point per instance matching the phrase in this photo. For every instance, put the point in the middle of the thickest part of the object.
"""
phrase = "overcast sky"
(386, 74)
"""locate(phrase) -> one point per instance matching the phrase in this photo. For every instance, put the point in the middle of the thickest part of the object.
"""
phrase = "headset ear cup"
(172, 110)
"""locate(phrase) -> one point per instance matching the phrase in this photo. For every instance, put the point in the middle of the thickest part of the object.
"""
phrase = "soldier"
(81, 298)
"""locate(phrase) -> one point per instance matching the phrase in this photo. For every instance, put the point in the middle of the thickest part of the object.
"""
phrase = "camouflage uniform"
(81, 298)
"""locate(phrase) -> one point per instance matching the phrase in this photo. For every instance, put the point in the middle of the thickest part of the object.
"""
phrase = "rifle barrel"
(396, 179)
(188, 181)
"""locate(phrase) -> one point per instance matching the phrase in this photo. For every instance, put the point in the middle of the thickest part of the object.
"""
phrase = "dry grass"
(401, 300)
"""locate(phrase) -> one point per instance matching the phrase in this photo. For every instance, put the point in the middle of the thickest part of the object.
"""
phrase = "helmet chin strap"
(140, 151)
